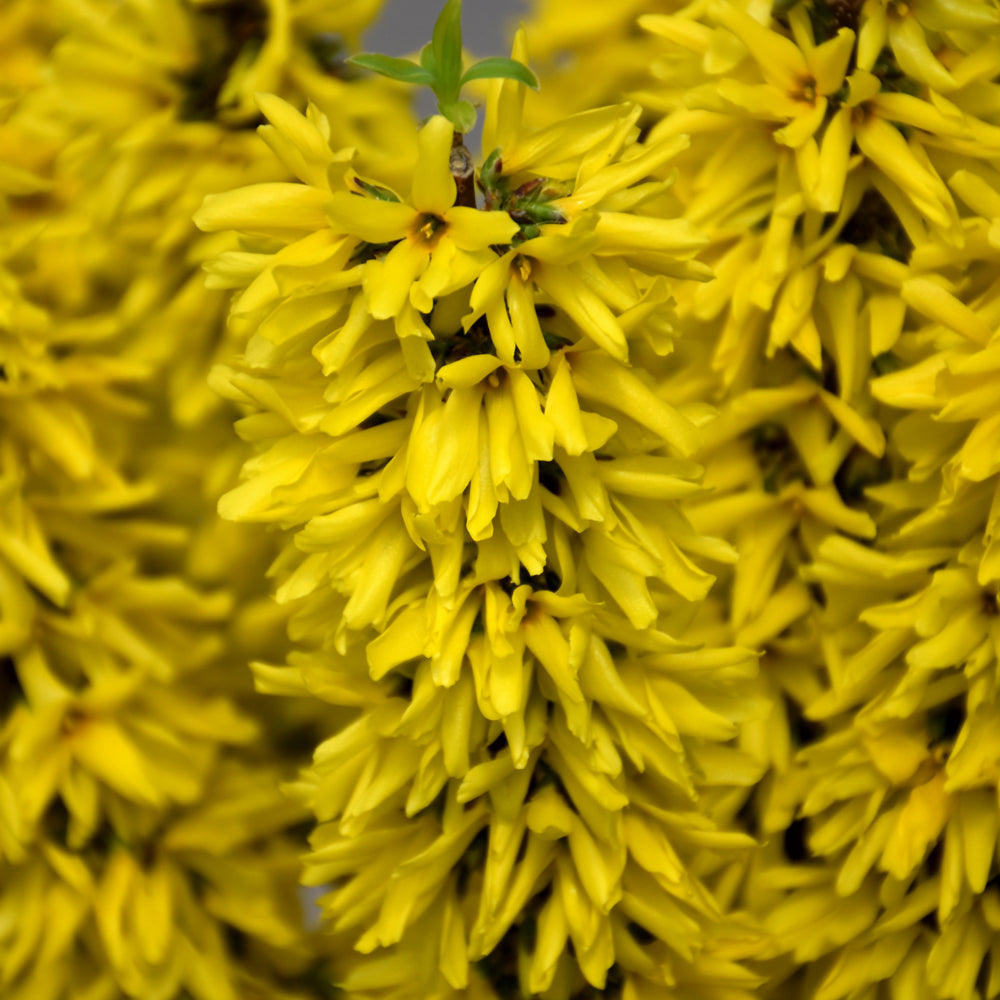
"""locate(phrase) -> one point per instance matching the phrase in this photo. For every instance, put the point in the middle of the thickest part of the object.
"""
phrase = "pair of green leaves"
(440, 68)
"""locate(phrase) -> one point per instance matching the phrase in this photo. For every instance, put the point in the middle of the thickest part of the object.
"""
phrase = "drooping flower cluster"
(454, 413)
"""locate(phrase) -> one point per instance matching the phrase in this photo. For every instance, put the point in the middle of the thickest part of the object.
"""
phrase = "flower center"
(807, 91)
(428, 228)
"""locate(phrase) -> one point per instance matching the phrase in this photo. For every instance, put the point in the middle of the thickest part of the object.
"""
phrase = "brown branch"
(460, 164)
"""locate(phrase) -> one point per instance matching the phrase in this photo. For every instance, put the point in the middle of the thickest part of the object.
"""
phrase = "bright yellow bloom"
(432, 228)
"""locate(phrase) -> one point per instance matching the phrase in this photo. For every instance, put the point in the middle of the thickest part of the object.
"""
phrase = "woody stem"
(460, 164)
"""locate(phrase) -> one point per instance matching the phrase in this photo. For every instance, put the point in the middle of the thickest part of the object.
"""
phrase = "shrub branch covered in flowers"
(601, 598)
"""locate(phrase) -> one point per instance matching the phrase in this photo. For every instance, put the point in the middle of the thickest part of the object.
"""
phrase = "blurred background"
(405, 26)
(487, 25)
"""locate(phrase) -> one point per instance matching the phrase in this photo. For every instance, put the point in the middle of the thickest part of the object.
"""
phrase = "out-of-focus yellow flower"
(828, 93)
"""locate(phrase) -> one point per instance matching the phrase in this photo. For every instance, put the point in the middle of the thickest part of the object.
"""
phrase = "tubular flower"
(588, 53)
(149, 104)
(921, 678)
(630, 502)
(433, 228)
(117, 714)
(141, 915)
(612, 843)
(897, 796)
(212, 55)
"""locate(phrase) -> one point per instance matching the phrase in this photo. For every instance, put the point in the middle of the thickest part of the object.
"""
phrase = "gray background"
(405, 25)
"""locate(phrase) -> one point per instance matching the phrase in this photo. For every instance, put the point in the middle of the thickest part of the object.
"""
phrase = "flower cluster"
(456, 419)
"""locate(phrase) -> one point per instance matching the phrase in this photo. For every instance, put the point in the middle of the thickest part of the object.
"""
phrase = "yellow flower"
(583, 809)
(431, 229)
(916, 33)
(833, 91)
(800, 79)
(588, 54)
(578, 183)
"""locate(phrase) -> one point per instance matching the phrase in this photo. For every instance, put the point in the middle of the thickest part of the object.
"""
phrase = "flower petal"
(263, 208)
(369, 219)
(433, 186)
(472, 229)
(584, 307)
(779, 58)
(388, 281)
(524, 320)
(829, 61)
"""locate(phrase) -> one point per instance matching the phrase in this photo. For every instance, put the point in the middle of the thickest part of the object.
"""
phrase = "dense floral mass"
(565, 569)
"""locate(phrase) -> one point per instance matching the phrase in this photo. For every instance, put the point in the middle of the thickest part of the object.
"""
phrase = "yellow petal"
(433, 186)
(834, 157)
(295, 140)
(109, 904)
(388, 281)
(938, 304)
(914, 54)
(622, 233)
(458, 447)
(584, 307)
(803, 126)
(885, 146)
(467, 372)
(872, 36)
(152, 913)
(829, 61)
(563, 410)
(621, 389)
(779, 58)
(263, 208)
(490, 286)
(369, 219)
(534, 352)
(980, 824)
(886, 314)
(550, 945)
(918, 824)
(502, 120)
(536, 431)
(865, 430)
(472, 229)
(101, 747)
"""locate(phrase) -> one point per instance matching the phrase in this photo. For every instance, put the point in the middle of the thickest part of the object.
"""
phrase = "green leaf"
(376, 190)
(460, 113)
(396, 69)
(447, 47)
(427, 59)
(498, 67)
